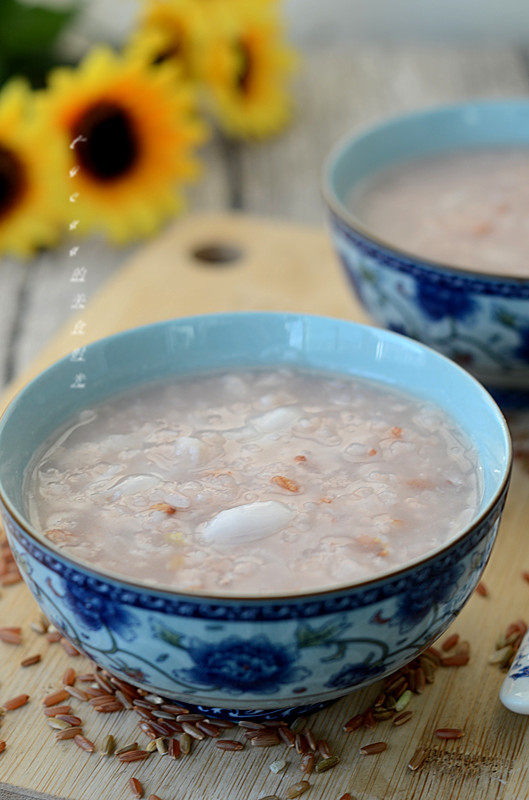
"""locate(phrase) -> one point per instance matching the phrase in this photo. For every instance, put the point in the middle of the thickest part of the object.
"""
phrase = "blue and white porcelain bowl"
(479, 320)
(251, 656)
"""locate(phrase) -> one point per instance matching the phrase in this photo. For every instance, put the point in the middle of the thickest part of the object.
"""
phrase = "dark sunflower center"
(12, 180)
(109, 147)
(174, 50)
(244, 73)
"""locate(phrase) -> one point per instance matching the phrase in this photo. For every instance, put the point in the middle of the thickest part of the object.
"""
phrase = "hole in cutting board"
(216, 254)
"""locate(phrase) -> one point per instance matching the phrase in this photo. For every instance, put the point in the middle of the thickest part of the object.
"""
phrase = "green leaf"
(31, 29)
(308, 636)
(167, 635)
(34, 68)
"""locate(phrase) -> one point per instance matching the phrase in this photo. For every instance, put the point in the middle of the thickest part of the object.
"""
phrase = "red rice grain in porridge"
(468, 208)
(255, 482)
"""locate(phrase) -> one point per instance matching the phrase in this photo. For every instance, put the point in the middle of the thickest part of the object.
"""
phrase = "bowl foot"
(256, 714)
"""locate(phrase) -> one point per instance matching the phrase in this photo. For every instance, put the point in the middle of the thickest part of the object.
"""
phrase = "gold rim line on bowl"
(268, 598)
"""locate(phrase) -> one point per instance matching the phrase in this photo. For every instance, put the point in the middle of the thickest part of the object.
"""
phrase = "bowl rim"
(347, 217)
(344, 588)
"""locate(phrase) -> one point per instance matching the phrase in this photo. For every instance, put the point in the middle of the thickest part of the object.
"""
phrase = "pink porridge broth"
(468, 208)
(255, 482)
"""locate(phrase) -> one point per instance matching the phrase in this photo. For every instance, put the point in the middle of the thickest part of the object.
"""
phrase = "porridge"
(468, 208)
(255, 482)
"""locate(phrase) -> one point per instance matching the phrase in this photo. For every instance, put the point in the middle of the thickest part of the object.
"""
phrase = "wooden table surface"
(338, 89)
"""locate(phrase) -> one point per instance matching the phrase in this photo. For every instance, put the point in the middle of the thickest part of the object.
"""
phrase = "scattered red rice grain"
(420, 681)
(520, 626)
(84, 743)
(354, 723)
(70, 718)
(229, 744)
(2, 746)
(311, 741)
(136, 787)
(69, 733)
(69, 648)
(86, 677)
(449, 733)
(525, 576)
(53, 711)
(53, 636)
(400, 719)
(153, 797)
(456, 660)
(126, 749)
(55, 698)
(302, 746)
(307, 764)
(68, 678)
(133, 755)
(372, 749)
(10, 636)
(10, 578)
(450, 642)
(287, 736)
(265, 739)
(297, 789)
(368, 720)
(209, 730)
(192, 730)
(417, 759)
(434, 652)
(16, 702)
(30, 660)
(482, 590)
(324, 748)
(173, 748)
(300, 458)
(73, 691)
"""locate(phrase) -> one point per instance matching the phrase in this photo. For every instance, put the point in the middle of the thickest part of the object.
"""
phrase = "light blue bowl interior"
(183, 346)
(478, 124)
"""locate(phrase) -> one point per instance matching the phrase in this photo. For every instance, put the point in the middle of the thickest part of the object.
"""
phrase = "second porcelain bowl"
(481, 321)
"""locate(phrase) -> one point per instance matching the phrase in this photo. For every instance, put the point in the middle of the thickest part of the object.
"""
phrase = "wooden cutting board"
(281, 267)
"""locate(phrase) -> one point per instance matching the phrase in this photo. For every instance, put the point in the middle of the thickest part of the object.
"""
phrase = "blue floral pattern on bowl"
(481, 324)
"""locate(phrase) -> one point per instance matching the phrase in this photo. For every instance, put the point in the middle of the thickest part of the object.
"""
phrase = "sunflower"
(245, 75)
(176, 30)
(32, 174)
(130, 128)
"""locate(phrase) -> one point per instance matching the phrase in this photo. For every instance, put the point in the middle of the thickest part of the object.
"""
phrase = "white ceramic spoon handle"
(514, 693)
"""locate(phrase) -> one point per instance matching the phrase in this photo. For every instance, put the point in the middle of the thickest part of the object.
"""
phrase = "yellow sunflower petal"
(176, 30)
(246, 74)
(33, 172)
(130, 129)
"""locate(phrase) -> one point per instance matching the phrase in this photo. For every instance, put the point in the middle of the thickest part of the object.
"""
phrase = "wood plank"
(346, 87)
(282, 268)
